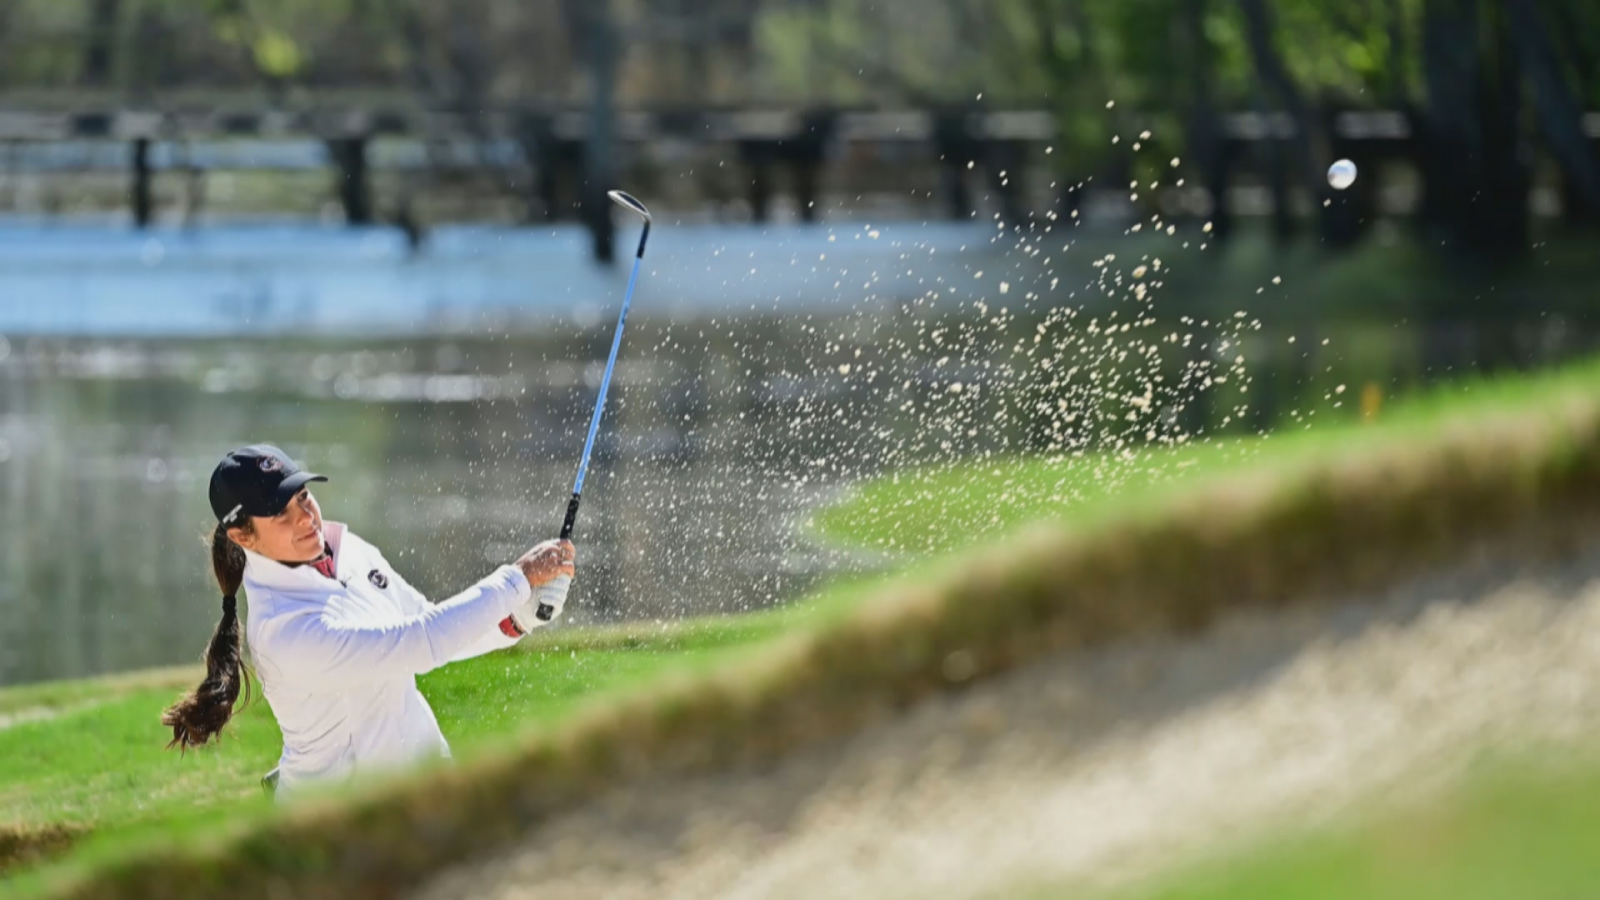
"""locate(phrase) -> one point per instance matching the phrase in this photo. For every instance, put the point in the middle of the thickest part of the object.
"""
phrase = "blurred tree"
(1493, 88)
(599, 162)
(1556, 100)
(99, 41)
(1303, 163)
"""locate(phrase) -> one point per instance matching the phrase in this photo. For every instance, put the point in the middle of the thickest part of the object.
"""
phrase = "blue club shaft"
(605, 382)
(545, 612)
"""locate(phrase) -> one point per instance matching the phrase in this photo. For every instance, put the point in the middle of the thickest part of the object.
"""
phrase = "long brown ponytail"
(201, 714)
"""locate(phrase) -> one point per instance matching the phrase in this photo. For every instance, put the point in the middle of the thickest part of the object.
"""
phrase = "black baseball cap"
(258, 480)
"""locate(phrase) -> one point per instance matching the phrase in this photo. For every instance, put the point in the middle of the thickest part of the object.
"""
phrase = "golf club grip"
(572, 518)
(545, 611)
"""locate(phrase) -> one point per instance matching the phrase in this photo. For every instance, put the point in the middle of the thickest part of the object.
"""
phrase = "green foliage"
(276, 54)
(1156, 58)
(1347, 48)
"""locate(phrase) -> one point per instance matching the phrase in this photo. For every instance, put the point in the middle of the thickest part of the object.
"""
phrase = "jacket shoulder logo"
(378, 579)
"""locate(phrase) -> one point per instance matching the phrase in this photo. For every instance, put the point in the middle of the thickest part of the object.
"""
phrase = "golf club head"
(628, 201)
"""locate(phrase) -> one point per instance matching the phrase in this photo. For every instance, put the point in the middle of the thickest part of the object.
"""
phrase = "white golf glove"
(552, 594)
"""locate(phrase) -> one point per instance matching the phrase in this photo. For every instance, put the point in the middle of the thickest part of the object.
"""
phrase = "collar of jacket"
(274, 575)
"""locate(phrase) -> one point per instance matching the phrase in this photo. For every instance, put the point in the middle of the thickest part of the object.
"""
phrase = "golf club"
(627, 201)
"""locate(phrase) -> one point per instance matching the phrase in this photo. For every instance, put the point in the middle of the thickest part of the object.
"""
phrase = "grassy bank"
(1258, 524)
(1522, 831)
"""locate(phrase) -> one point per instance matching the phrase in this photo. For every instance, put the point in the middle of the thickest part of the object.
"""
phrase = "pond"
(454, 449)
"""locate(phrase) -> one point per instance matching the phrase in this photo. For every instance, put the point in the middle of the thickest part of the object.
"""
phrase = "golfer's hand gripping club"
(549, 568)
(553, 597)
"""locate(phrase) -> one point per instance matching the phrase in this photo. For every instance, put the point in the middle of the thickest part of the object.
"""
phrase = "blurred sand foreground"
(1096, 768)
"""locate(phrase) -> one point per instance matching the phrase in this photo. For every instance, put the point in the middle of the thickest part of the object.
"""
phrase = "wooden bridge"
(553, 144)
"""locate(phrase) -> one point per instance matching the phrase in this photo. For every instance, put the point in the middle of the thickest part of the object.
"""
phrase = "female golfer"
(337, 636)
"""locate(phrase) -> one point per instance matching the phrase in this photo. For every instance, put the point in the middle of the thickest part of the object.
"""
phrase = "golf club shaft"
(599, 409)
(545, 612)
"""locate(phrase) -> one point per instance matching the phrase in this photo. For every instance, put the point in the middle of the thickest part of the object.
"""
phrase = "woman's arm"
(497, 638)
(314, 646)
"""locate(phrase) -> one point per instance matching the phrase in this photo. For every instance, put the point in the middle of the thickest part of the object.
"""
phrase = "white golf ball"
(1342, 174)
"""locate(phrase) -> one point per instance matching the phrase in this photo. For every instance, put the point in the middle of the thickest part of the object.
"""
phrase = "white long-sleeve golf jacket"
(338, 658)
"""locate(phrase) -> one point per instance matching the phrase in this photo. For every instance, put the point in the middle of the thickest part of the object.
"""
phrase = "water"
(451, 437)
(265, 279)
(451, 457)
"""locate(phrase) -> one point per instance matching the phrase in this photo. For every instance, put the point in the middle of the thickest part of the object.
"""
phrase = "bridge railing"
(352, 138)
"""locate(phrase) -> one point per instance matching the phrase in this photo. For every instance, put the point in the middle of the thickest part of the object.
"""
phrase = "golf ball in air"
(1342, 174)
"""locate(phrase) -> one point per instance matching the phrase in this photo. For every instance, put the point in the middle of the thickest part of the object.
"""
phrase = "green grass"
(54, 696)
(102, 764)
(1521, 831)
(485, 699)
(98, 769)
(99, 760)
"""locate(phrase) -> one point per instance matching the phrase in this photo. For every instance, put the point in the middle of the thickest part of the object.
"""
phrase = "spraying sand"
(1097, 768)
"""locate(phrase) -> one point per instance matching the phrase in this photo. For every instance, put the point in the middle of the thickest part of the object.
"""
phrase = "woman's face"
(292, 536)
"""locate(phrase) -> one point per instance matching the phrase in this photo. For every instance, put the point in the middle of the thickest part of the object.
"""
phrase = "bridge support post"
(1004, 161)
(956, 149)
(806, 188)
(355, 195)
(758, 157)
(806, 155)
(139, 195)
(548, 190)
(544, 155)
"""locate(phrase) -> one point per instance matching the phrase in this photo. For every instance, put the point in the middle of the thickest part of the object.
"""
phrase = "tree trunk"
(1559, 111)
(99, 40)
(1395, 30)
(1208, 147)
(153, 66)
(1270, 67)
(1499, 219)
(414, 34)
(599, 148)
(1449, 150)
(1452, 146)
(1569, 30)
(1281, 185)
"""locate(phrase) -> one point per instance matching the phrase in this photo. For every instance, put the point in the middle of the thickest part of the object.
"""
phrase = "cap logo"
(270, 464)
(378, 579)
